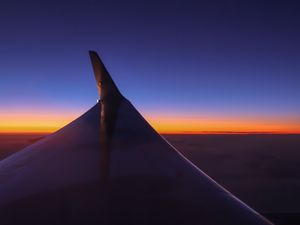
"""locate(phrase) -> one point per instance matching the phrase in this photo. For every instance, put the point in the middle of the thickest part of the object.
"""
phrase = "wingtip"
(94, 55)
(92, 52)
(105, 84)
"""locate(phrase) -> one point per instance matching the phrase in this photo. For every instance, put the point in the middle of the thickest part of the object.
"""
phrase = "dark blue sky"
(183, 58)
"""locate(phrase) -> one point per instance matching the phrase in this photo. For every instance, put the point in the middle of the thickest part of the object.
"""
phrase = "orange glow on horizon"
(205, 125)
(39, 122)
(43, 122)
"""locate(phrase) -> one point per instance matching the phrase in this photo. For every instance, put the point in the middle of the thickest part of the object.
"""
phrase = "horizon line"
(167, 133)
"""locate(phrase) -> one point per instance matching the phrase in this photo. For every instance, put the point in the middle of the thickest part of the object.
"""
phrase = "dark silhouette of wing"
(110, 167)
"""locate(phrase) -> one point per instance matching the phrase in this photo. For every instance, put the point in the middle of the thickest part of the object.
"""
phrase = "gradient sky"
(187, 66)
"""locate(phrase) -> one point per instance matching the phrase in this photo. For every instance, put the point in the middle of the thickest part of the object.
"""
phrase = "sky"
(187, 66)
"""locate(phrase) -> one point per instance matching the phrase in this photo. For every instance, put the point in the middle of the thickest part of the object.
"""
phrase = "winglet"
(106, 86)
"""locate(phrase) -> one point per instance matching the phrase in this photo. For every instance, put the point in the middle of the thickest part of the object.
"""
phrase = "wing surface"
(110, 167)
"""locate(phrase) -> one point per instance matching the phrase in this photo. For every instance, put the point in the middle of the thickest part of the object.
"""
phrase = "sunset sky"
(187, 66)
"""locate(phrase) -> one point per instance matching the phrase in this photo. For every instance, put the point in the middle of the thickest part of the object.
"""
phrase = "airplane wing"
(110, 167)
